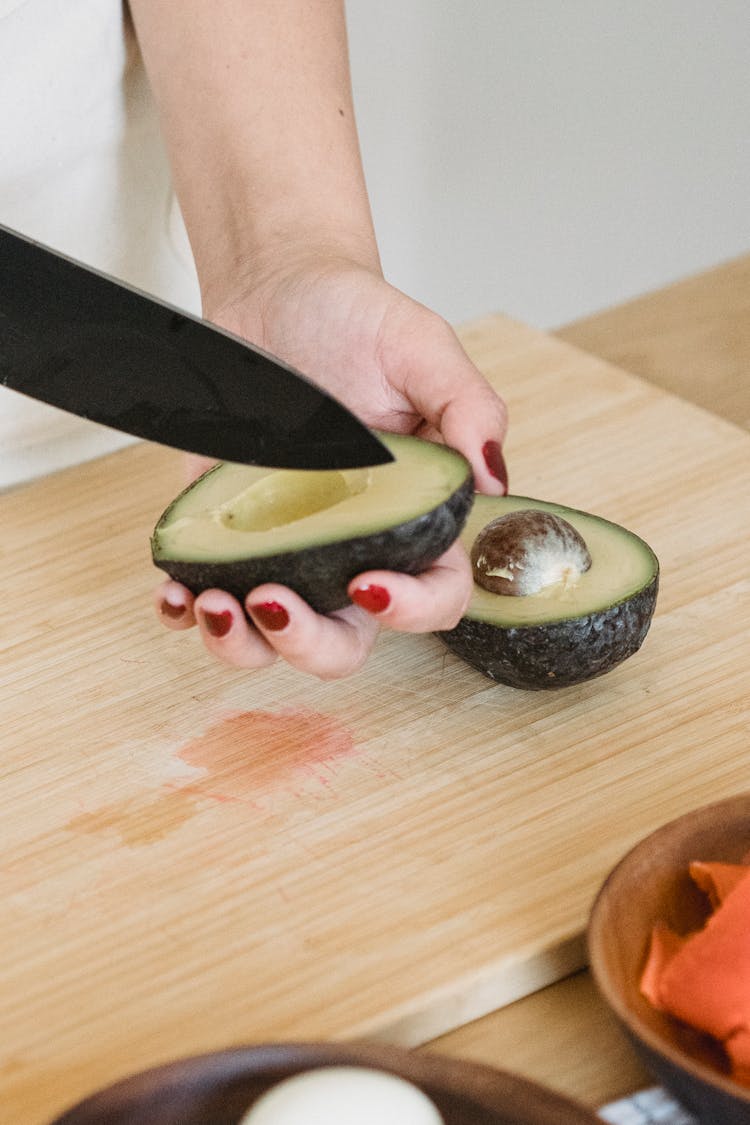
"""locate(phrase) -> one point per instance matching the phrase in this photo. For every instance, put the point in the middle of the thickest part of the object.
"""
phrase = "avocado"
(592, 613)
(238, 526)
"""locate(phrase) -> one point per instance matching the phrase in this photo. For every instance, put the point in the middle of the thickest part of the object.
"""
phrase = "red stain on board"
(137, 820)
(246, 757)
(251, 753)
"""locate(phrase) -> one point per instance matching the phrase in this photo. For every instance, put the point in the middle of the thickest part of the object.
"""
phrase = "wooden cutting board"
(194, 856)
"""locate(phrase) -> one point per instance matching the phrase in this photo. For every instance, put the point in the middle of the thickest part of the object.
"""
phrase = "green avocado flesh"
(239, 526)
(566, 633)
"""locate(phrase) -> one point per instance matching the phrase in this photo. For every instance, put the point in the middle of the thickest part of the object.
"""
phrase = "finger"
(462, 407)
(435, 599)
(456, 401)
(328, 647)
(174, 605)
(227, 633)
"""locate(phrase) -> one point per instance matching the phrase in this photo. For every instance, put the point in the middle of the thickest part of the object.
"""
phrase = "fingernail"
(375, 599)
(493, 456)
(218, 624)
(173, 612)
(270, 615)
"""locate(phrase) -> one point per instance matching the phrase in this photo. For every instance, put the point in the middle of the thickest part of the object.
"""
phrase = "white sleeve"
(82, 168)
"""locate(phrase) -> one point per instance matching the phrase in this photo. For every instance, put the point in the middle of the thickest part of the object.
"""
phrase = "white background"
(549, 159)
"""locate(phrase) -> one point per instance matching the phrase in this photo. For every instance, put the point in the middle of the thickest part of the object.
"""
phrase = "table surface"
(693, 339)
(93, 822)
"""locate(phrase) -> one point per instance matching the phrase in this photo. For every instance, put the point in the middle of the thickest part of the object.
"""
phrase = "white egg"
(343, 1095)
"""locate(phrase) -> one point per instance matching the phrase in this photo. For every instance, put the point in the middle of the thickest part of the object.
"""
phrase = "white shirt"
(82, 169)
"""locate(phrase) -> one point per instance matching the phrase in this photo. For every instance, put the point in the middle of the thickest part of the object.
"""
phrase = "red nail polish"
(173, 612)
(375, 599)
(270, 615)
(218, 624)
(493, 456)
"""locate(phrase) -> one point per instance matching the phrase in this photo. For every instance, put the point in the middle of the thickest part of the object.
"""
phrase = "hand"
(332, 646)
(285, 250)
(399, 367)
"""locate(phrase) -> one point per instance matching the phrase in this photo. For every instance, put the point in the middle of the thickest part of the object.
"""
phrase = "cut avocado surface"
(238, 526)
(571, 630)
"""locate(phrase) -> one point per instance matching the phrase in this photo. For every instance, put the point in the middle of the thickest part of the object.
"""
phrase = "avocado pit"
(527, 551)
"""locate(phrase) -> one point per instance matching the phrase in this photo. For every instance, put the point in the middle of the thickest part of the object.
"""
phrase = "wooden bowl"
(216, 1089)
(649, 885)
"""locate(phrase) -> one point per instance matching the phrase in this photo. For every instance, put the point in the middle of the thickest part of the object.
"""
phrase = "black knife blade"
(79, 340)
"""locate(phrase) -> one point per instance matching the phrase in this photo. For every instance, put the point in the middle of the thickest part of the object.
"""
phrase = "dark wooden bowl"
(652, 884)
(216, 1089)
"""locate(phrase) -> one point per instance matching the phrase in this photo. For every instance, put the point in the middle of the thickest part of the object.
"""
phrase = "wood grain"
(673, 337)
(692, 338)
(195, 857)
(562, 1036)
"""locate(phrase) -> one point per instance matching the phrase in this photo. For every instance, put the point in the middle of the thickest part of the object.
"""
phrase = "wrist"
(259, 262)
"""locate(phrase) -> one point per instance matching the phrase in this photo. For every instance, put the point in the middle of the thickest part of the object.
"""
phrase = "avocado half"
(238, 526)
(562, 635)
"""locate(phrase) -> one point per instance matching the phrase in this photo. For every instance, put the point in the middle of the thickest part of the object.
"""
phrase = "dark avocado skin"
(321, 574)
(560, 653)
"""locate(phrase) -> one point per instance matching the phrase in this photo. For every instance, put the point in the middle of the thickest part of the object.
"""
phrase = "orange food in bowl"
(703, 978)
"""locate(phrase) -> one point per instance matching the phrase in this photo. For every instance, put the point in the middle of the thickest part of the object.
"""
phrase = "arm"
(255, 104)
(256, 107)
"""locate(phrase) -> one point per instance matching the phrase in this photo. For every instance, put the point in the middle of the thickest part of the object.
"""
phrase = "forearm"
(255, 102)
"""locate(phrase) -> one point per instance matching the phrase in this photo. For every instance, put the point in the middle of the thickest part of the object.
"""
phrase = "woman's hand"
(399, 367)
(394, 363)
(283, 625)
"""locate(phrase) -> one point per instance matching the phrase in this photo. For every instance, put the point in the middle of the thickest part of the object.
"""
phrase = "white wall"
(548, 159)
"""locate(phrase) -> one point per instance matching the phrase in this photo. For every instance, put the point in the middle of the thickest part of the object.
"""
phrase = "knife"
(79, 340)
